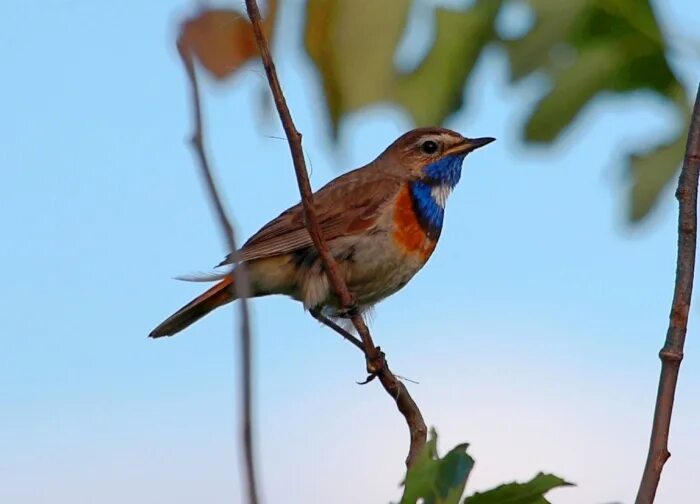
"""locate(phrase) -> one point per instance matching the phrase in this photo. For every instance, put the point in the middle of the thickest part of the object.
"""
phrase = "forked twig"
(241, 285)
(671, 354)
(376, 364)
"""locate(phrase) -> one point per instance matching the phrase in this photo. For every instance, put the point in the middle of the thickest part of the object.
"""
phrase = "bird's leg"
(316, 313)
(378, 362)
(350, 311)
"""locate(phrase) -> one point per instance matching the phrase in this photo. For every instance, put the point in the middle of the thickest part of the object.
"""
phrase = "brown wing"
(347, 205)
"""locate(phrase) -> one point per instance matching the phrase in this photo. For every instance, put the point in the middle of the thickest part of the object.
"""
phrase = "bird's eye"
(429, 147)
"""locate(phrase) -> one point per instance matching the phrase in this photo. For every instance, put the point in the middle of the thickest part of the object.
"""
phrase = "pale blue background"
(533, 331)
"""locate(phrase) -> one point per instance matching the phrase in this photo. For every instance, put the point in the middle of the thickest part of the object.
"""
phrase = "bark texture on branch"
(671, 354)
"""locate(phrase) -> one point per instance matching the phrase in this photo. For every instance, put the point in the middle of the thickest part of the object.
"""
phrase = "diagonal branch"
(312, 224)
(396, 389)
(376, 364)
(332, 325)
(241, 285)
(672, 352)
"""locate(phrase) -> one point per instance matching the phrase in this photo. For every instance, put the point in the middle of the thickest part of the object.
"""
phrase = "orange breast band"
(408, 232)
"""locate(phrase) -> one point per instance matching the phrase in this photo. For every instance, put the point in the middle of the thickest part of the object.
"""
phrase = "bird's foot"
(349, 312)
(375, 365)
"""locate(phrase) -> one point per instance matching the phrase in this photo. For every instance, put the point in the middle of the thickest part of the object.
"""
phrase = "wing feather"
(347, 205)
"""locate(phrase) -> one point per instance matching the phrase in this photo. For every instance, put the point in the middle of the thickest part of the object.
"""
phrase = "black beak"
(475, 143)
(470, 144)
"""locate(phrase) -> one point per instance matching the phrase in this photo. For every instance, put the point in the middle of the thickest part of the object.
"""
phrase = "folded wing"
(348, 205)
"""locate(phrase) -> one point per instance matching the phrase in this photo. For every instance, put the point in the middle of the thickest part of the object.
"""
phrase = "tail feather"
(218, 295)
(205, 277)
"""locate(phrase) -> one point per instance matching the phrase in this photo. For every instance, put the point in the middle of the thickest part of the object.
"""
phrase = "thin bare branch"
(345, 334)
(396, 389)
(671, 354)
(376, 363)
(312, 224)
(241, 285)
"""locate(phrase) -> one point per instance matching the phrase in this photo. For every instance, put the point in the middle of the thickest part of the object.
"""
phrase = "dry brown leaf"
(222, 39)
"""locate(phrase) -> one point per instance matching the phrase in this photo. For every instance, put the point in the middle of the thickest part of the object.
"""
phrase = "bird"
(381, 221)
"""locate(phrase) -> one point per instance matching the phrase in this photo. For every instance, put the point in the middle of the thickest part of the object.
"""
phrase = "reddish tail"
(217, 296)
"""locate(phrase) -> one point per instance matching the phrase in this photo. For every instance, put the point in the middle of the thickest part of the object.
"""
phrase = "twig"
(241, 286)
(312, 224)
(671, 354)
(396, 389)
(329, 323)
(376, 363)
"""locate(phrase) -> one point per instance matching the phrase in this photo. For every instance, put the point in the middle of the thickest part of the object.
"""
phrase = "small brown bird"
(381, 222)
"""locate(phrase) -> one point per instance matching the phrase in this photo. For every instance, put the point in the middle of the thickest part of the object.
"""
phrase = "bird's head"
(433, 156)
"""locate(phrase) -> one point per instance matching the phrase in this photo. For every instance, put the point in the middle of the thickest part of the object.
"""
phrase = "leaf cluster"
(441, 480)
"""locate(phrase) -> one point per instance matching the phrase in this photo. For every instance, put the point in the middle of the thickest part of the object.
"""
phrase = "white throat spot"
(440, 194)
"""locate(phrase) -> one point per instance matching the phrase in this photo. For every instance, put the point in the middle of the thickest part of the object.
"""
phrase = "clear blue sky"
(533, 331)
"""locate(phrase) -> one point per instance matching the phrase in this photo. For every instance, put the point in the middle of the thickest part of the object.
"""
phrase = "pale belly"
(374, 266)
(379, 269)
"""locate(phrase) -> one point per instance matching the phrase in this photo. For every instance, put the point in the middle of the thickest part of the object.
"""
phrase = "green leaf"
(554, 21)
(531, 492)
(574, 88)
(437, 480)
(597, 47)
(584, 47)
(435, 89)
(353, 44)
(651, 172)
(588, 47)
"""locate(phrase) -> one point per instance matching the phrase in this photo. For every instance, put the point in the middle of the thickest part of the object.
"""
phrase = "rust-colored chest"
(409, 233)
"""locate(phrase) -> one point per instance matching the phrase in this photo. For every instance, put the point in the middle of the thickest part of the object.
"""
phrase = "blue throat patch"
(445, 171)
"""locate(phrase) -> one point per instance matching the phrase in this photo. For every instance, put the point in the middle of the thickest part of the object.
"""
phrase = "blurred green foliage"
(584, 47)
